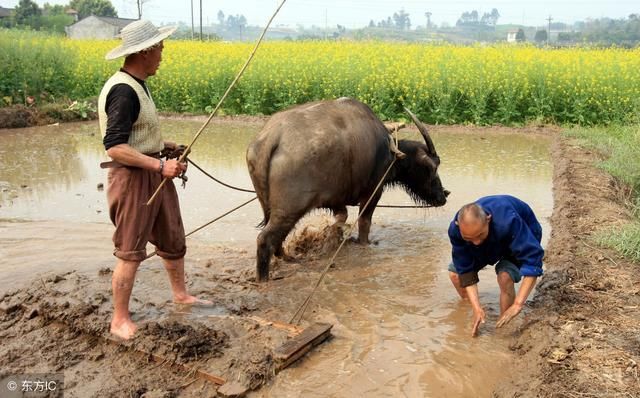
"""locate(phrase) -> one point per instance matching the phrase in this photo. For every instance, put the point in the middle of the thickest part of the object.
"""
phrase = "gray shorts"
(501, 266)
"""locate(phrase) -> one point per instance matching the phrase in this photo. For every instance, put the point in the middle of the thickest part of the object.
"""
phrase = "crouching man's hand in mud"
(528, 282)
(478, 312)
(478, 318)
(509, 314)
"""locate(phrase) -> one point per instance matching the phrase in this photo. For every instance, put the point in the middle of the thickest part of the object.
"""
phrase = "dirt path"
(581, 335)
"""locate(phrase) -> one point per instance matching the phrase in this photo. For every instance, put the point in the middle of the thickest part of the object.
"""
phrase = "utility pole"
(191, 19)
(326, 23)
(549, 32)
(200, 20)
(428, 15)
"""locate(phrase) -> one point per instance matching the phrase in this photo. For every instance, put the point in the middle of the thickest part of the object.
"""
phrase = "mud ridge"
(580, 336)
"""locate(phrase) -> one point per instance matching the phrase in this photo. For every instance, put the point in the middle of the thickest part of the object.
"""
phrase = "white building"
(93, 27)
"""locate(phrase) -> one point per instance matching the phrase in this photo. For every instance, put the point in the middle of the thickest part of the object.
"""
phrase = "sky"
(358, 13)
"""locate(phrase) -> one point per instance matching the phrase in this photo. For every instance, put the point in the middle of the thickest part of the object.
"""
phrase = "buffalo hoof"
(287, 258)
(262, 275)
(359, 242)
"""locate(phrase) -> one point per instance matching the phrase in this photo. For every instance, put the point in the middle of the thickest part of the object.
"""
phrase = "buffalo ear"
(423, 159)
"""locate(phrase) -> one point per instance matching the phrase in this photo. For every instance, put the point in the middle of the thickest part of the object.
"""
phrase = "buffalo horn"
(424, 132)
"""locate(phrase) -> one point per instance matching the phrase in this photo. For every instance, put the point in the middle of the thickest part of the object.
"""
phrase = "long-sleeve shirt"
(514, 234)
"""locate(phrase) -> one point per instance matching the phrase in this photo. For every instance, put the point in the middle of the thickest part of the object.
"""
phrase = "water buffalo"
(330, 154)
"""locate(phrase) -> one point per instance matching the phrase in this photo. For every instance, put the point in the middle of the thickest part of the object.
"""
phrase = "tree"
(468, 19)
(27, 12)
(100, 8)
(401, 20)
(490, 19)
(236, 22)
(55, 23)
(494, 16)
(50, 10)
(541, 36)
(428, 15)
(220, 17)
(520, 37)
(341, 31)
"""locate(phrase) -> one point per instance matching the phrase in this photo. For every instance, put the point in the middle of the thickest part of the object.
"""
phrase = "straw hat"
(138, 36)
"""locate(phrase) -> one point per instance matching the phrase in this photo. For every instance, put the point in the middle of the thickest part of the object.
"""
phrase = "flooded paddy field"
(399, 328)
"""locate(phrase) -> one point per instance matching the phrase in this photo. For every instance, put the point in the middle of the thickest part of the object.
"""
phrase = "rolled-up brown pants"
(128, 190)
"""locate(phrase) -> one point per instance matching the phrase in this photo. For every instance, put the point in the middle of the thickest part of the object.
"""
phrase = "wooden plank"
(157, 358)
(295, 348)
(292, 329)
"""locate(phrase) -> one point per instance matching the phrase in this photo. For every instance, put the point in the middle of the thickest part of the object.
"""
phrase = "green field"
(444, 84)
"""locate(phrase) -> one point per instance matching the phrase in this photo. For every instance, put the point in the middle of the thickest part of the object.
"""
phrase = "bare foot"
(125, 329)
(188, 299)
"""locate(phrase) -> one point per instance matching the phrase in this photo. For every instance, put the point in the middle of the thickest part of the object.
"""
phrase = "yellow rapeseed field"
(442, 83)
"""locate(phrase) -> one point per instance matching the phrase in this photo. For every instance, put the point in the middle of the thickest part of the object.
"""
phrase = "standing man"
(132, 139)
(500, 230)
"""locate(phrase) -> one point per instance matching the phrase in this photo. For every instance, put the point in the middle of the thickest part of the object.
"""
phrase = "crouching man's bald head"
(473, 222)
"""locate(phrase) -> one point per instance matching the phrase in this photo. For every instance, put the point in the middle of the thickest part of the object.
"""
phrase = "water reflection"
(36, 161)
(59, 165)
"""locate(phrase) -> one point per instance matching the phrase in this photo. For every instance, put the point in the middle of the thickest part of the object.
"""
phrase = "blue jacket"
(514, 234)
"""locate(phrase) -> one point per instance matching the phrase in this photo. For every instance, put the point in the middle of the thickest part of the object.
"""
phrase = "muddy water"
(399, 329)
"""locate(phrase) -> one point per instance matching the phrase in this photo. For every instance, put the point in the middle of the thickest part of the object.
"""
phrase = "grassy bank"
(621, 149)
(444, 84)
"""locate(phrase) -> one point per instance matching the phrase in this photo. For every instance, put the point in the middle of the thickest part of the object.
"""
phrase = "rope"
(244, 67)
(405, 206)
(207, 224)
(304, 305)
(216, 180)
(249, 191)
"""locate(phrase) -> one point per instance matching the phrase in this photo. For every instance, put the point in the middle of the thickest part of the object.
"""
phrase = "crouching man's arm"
(528, 282)
(527, 249)
(478, 312)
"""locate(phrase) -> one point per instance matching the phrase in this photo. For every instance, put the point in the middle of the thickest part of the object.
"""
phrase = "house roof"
(119, 22)
(5, 12)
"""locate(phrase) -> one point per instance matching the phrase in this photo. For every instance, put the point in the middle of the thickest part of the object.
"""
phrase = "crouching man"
(496, 230)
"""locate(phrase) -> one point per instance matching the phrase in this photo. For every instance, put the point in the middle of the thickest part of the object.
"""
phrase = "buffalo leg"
(270, 241)
(280, 253)
(341, 215)
(265, 250)
(364, 223)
